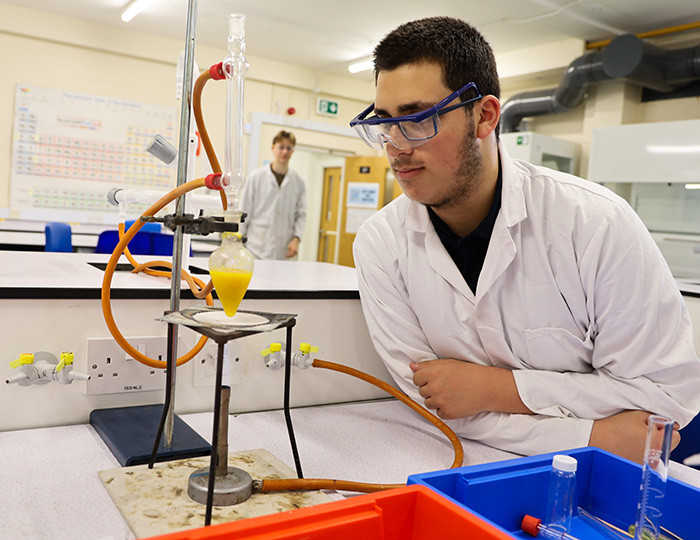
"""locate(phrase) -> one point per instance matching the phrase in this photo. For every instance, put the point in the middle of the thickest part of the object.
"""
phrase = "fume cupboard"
(656, 167)
(539, 149)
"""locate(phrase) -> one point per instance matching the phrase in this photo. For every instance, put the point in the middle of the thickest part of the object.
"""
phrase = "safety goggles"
(412, 129)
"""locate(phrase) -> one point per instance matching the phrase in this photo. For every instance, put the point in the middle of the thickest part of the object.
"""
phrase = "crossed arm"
(456, 389)
(639, 365)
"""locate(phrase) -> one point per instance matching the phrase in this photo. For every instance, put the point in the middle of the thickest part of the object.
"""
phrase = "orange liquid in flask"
(230, 286)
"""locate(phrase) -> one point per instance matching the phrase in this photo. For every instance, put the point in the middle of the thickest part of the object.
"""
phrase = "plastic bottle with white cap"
(562, 491)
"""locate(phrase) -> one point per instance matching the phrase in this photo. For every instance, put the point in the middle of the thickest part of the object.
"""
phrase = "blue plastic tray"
(607, 486)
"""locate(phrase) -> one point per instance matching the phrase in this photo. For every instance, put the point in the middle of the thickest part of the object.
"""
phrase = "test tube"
(654, 475)
(533, 526)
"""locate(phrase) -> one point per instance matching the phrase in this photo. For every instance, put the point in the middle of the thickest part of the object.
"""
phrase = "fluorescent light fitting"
(679, 149)
(361, 66)
(692, 186)
(133, 9)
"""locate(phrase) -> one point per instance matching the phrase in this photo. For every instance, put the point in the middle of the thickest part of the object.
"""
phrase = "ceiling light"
(361, 66)
(133, 9)
(692, 186)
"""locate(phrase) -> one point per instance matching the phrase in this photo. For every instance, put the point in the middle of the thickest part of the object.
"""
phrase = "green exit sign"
(327, 107)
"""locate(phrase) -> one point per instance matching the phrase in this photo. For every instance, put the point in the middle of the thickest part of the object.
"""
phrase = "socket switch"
(205, 364)
(112, 371)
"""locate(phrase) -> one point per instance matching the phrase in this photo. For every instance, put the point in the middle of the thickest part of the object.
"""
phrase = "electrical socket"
(112, 372)
(205, 364)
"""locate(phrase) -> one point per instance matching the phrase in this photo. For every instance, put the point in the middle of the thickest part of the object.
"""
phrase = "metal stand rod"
(185, 117)
(168, 395)
(222, 446)
(215, 434)
(287, 415)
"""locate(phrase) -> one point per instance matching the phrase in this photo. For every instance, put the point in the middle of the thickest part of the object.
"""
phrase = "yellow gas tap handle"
(273, 348)
(23, 360)
(67, 357)
(307, 348)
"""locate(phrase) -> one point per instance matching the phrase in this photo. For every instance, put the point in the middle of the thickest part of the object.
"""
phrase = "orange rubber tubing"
(199, 290)
(112, 264)
(290, 484)
(197, 286)
(202, 128)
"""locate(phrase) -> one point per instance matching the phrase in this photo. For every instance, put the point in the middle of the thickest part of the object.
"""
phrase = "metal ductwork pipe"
(636, 61)
(571, 90)
(626, 57)
(683, 65)
(585, 70)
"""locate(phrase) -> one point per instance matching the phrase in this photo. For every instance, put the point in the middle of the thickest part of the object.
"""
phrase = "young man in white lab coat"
(529, 308)
(274, 197)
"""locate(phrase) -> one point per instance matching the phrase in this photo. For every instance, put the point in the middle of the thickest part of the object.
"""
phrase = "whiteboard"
(69, 149)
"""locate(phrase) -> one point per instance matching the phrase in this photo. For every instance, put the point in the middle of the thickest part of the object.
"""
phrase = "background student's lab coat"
(276, 213)
(574, 297)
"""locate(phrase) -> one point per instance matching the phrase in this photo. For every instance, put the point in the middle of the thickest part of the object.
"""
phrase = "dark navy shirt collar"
(469, 252)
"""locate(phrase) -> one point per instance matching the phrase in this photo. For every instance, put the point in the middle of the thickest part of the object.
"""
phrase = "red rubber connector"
(216, 71)
(213, 181)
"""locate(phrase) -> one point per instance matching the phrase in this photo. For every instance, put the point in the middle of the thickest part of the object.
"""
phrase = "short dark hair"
(285, 135)
(459, 48)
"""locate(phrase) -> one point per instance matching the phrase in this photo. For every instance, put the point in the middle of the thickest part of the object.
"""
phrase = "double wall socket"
(112, 371)
(205, 364)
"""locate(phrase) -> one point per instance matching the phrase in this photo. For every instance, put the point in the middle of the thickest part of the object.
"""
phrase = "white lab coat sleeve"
(300, 213)
(643, 355)
(399, 339)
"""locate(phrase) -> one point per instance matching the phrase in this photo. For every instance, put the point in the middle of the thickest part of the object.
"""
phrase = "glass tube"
(235, 67)
(654, 476)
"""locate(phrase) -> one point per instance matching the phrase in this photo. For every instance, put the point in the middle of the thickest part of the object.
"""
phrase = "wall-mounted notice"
(362, 202)
(363, 195)
(70, 149)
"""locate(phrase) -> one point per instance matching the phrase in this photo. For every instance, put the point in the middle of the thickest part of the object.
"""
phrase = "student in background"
(274, 197)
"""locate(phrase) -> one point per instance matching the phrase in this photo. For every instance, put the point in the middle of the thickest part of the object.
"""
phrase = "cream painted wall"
(69, 54)
(58, 52)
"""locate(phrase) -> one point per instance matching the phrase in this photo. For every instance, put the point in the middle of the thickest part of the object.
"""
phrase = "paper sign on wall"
(363, 195)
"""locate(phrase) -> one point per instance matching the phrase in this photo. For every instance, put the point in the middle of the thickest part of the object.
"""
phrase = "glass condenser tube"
(235, 68)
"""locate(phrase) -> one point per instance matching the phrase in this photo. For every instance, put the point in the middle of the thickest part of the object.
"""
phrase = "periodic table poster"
(69, 149)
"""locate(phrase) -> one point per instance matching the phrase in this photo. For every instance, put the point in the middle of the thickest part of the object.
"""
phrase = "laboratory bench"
(689, 287)
(51, 488)
(344, 429)
(79, 275)
(51, 302)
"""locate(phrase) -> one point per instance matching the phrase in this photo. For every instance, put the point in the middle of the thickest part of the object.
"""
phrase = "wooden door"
(363, 194)
(328, 233)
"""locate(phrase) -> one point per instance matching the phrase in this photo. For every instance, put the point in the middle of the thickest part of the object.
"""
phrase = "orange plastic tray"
(408, 513)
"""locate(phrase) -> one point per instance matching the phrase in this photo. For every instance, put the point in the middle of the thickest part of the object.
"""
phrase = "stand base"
(129, 432)
(155, 501)
(233, 487)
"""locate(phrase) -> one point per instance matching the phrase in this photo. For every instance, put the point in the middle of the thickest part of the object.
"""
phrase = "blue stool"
(146, 227)
(140, 244)
(148, 241)
(58, 237)
(161, 244)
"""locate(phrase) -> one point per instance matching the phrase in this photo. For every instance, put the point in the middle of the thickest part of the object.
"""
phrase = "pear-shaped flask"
(230, 268)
